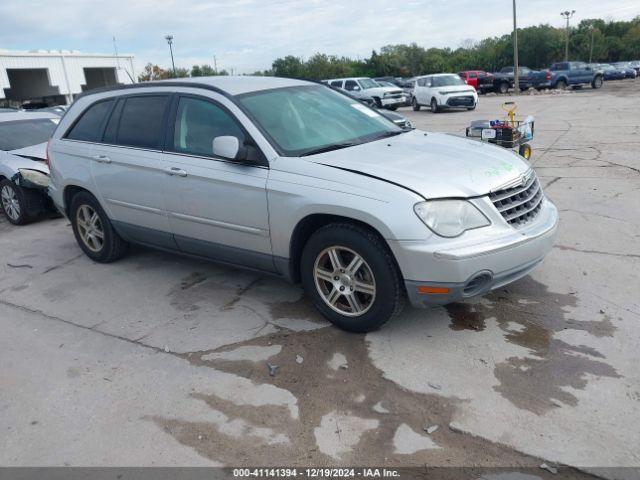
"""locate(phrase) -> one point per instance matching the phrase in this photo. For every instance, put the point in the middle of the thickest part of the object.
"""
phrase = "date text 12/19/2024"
(316, 472)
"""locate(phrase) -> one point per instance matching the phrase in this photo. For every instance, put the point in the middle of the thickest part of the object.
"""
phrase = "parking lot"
(164, 360)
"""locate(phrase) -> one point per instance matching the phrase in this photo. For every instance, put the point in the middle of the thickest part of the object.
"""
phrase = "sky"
(247, 35)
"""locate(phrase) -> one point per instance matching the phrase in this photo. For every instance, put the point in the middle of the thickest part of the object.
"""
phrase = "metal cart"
(509, 133)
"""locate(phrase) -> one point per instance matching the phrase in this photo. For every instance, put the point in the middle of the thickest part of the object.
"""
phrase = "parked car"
(443, 90)
(627, 68)
(636, 65)
(396, 118)
(504, 80)
(609, 72)
(573, 74)
(367, 88)
(291, 178)
(24, 175)
(478, 79)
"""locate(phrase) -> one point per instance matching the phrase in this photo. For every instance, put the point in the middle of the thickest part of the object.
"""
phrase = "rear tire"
(561, 85)
(434, 106)
(393, 108)
(20, 205)
(333, 286)
(415, 105)
(93, 230)
(503, 88)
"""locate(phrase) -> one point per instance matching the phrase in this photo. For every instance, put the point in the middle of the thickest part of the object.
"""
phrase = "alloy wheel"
(344, 281)
(90, 228)
(10, 202)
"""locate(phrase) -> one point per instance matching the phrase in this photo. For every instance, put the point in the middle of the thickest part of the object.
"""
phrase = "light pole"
(591, 28)
(169, 39)
(567, 15)
(516, 73)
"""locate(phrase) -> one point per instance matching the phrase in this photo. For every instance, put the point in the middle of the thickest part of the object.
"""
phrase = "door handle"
(102, 159)
(175, 171)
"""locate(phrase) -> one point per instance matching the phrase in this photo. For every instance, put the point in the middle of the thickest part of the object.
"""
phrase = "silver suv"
(295, 179)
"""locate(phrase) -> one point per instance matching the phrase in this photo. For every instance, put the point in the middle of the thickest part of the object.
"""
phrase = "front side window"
(350, 85)
(88, 126)
(141, 121)
(24, 133)
(301, 120)
(198, 122)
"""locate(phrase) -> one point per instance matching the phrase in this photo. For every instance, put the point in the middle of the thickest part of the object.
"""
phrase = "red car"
(478, 79)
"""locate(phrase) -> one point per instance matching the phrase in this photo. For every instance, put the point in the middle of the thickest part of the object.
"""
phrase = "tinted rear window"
(141, 121)
(24, 133)
(88, 127)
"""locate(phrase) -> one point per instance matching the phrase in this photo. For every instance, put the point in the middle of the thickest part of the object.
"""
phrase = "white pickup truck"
(368, 89)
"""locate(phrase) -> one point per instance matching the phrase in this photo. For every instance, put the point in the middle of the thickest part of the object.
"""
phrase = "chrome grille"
(520, 204)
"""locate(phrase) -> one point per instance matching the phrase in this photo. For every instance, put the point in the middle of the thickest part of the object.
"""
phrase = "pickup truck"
(503, 80)
(562, 75)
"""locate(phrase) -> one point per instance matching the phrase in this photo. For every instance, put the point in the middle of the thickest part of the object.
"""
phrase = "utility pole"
(169, 39)
(567, 15)
(516, 73)
(215, 65)
(591, 28)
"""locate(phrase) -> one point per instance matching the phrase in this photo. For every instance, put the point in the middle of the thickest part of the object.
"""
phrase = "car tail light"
(548, 75)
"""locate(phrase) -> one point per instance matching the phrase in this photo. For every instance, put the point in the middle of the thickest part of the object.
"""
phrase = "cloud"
(247, 35)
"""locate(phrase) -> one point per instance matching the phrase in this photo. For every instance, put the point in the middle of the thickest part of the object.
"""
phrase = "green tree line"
(539, 46)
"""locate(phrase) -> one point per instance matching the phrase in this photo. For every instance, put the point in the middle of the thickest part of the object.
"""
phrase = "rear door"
(129, 171)
(217, 207)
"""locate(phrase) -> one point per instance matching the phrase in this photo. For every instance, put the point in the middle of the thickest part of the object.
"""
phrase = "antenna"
(115, 52)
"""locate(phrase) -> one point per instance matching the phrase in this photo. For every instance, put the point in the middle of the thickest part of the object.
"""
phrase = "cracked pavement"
(163, 360)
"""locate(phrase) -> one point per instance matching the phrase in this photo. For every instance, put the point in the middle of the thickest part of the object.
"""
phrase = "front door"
(217, 208)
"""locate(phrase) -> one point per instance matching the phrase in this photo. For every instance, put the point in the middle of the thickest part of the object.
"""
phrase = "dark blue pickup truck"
(562, 75)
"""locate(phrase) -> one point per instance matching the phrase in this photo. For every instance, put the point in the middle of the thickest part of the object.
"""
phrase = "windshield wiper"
(327, 148)
(389, 134)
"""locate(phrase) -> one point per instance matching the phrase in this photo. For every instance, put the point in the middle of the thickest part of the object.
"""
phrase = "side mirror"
(226, 147)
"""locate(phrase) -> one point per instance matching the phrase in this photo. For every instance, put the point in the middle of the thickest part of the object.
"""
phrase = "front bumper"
(393, 101)
(436, 275)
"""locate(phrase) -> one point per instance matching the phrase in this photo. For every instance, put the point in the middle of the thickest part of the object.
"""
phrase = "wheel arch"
(310, 224)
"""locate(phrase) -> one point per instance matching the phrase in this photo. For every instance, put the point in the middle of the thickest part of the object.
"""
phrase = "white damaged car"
(24, 173)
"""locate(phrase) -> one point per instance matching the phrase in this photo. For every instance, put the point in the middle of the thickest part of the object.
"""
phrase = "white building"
(57, 76)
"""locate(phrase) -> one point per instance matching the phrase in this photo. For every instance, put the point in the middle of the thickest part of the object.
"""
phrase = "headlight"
(450, 218)
(33, 176)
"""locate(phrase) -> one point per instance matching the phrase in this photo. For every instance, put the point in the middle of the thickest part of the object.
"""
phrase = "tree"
(152, 72)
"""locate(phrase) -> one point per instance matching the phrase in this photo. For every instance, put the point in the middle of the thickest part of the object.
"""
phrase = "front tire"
(20, 205)
(503, 88)
(561, 85)
(597, 82)
(351, 277)
(434, 106)
(93, 230)
(415, 105)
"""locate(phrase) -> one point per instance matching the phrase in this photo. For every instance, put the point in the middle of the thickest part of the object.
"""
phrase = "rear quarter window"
(88, 127)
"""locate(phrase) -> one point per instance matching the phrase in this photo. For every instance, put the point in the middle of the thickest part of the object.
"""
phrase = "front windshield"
(24, 133)
(300, 120)
(366, 83)
(447, 81)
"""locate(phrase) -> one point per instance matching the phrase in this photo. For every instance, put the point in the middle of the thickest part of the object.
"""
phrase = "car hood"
(38, 151)
(434, 165)
(382, 90)
(456, 88)
(31, 157)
